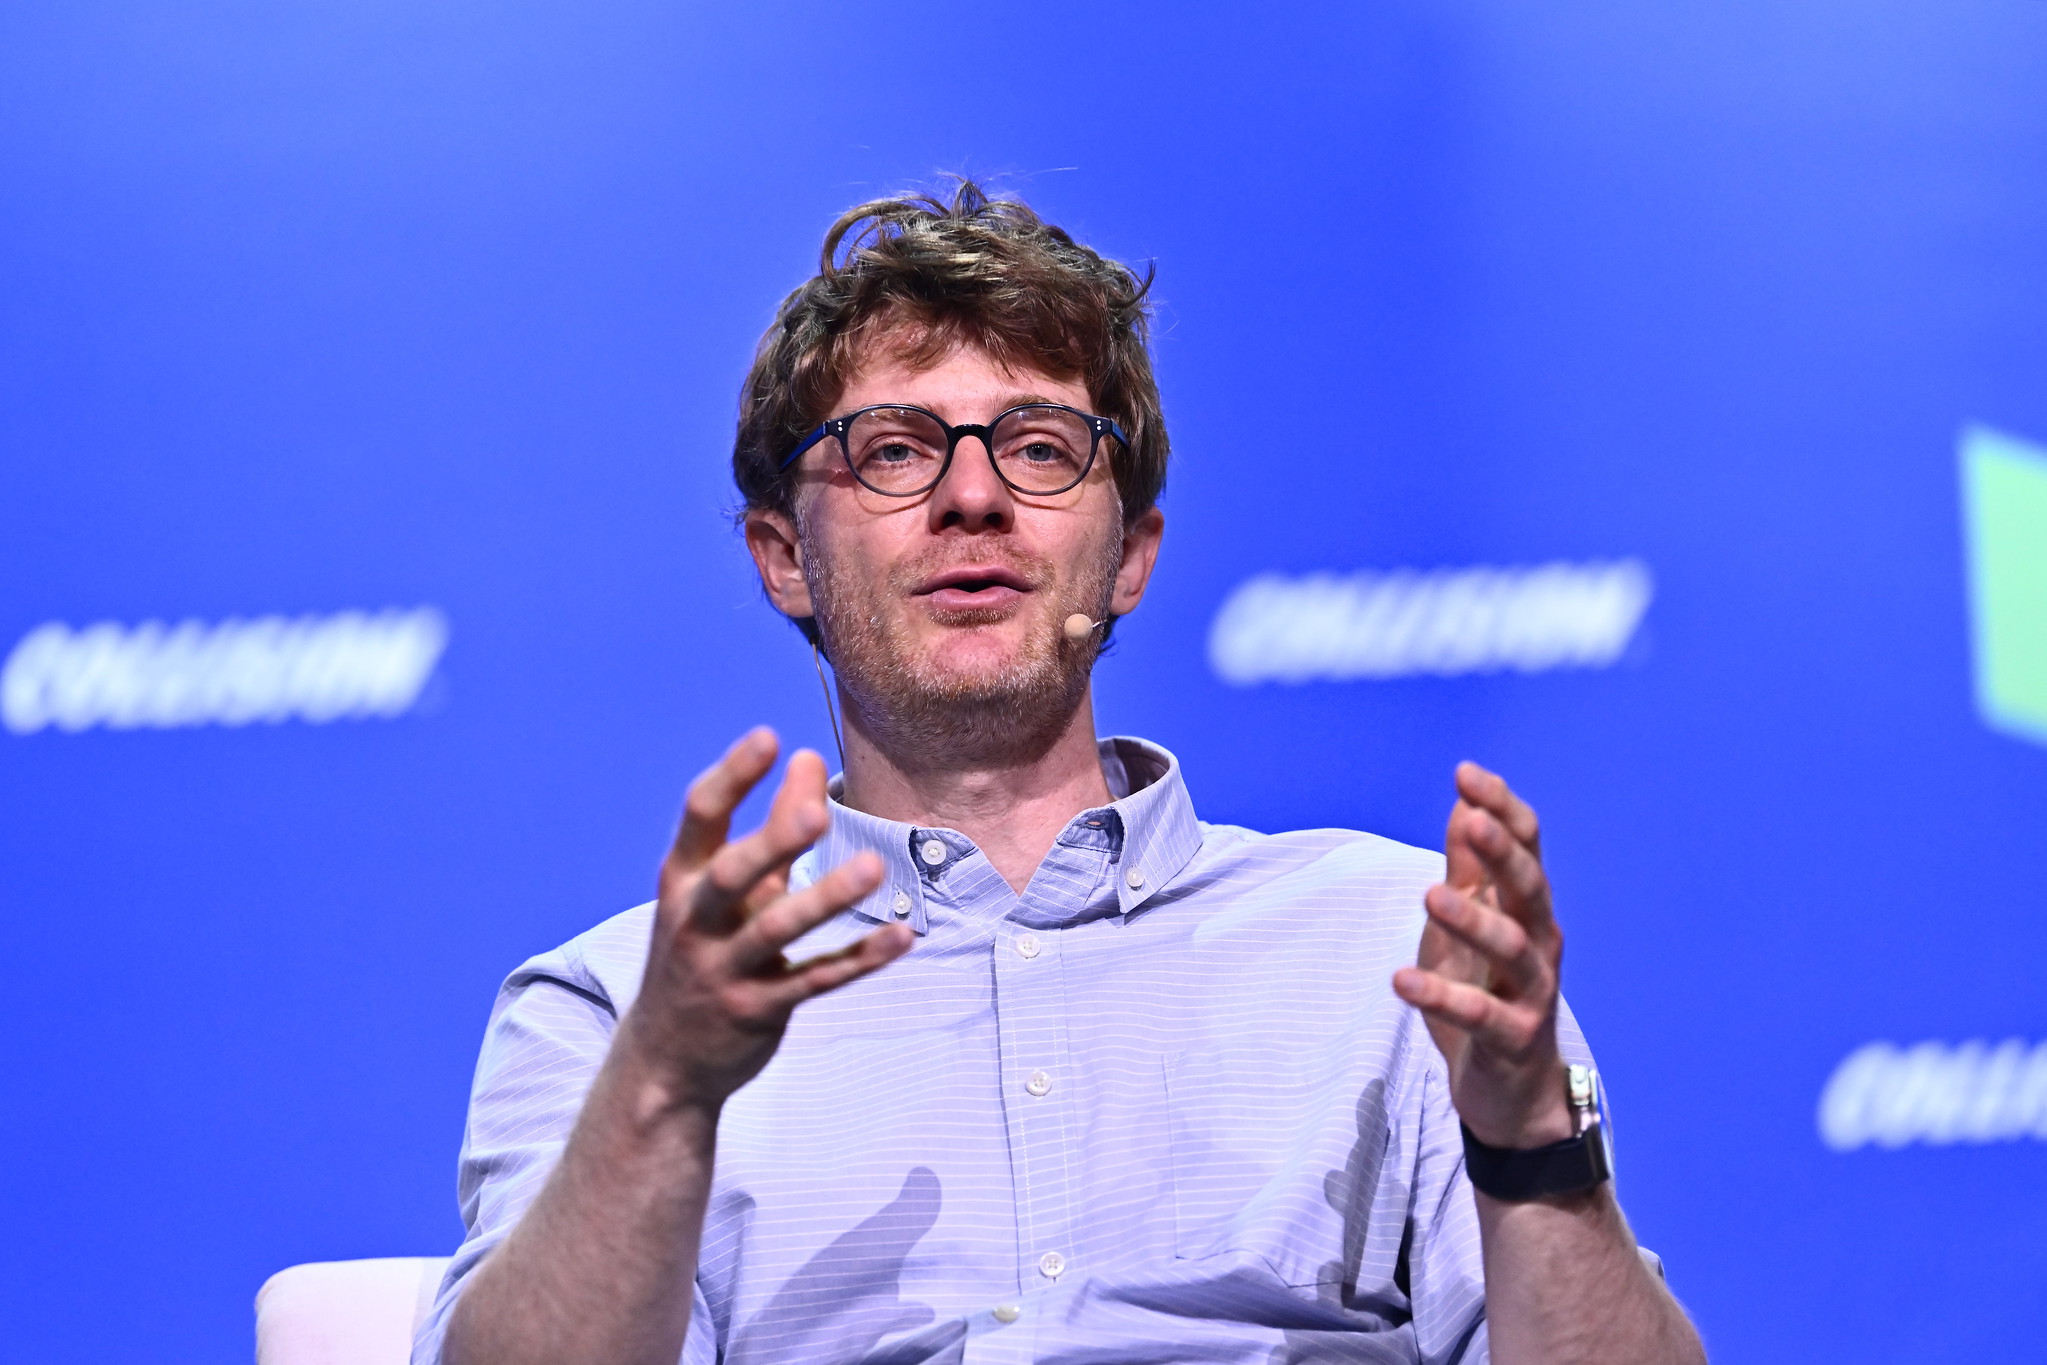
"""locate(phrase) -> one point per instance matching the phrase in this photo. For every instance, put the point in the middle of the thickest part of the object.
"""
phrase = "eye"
(894, 449)
(894, 440)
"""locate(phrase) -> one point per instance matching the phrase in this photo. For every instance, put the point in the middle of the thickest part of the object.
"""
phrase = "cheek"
(1094, 548)
(854, 555)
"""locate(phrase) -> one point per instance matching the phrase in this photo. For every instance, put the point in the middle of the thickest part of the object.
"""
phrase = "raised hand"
(1488, 968)
(600, 1266)
(718, 991)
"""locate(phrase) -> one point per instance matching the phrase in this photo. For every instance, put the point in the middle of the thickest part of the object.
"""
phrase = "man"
(1134, 1088)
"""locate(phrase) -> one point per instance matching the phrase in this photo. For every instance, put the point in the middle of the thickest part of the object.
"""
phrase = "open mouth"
(973, 586)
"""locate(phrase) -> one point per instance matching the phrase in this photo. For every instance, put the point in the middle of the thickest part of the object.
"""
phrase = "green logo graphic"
(2004, 511)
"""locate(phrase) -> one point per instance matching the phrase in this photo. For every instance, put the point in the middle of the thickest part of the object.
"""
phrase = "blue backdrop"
(439, 310)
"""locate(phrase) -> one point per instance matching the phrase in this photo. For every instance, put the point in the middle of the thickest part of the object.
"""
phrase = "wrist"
(1564, 1166)
(657, 1094)
(1525, 1136)
(1544, 1118)
(656, 1104)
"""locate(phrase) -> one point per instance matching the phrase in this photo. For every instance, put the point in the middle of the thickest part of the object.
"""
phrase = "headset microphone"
(1079, 627)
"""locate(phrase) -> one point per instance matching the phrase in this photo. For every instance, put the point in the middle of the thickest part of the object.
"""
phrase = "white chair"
(345, 1312)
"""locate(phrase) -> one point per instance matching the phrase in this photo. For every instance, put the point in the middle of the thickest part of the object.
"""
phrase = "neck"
(1012, 806)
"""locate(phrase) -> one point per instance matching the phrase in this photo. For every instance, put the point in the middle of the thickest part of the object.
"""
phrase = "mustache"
(907, 575)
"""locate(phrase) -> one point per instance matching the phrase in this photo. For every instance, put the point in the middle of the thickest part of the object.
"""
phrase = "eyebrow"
(1014, 400)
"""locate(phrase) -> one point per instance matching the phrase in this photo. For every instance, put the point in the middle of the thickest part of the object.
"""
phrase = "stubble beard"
(925, 716)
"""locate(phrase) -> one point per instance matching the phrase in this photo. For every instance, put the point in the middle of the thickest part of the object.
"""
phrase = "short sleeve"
(549, 1031)
(1446, 1263)
(547, 1037)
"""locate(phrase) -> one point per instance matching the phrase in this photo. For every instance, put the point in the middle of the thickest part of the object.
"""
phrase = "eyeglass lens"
(902, 450)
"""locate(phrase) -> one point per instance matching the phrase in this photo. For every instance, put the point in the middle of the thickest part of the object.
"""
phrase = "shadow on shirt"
(834, 1308)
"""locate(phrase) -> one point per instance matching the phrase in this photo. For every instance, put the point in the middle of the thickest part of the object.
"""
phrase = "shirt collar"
(1160, 834)
(1149, 827)
(901, 893)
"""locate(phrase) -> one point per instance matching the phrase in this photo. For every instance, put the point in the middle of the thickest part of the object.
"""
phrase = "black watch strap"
(1518, 1175)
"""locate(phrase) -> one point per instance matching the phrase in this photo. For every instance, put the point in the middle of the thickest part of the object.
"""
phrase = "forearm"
(1565, 1283)
(600, 1268)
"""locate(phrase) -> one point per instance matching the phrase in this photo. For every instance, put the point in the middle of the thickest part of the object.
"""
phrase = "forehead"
(962, 383)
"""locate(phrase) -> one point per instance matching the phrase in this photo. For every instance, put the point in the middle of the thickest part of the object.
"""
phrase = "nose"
(971, 496)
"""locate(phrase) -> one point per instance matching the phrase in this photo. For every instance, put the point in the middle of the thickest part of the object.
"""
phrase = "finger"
(1489, 791)
(1444, 953)
(1515, 872)
(801, 797)
(829, 971)
(796, 819)
(1462, 865)
(762, 938)
(1500, 939)
(798, 807)
(717, 792)
(765, 892)
(1492, 1023)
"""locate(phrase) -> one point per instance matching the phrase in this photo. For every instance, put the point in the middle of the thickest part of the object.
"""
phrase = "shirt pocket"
(1274, 1160)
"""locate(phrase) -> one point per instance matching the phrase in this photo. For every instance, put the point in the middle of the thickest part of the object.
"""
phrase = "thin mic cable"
(831, 711)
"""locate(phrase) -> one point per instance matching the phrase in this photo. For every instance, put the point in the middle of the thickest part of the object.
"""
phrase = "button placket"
(1030, 1007)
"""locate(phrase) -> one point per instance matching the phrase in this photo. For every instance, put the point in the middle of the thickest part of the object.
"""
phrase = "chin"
(956, 692)
(969, 659)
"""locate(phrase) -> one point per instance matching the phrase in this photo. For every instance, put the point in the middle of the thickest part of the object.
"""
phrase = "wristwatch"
(1577, 1163)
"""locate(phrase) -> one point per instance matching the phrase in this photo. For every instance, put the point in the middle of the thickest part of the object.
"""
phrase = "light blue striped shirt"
(1162, 1107)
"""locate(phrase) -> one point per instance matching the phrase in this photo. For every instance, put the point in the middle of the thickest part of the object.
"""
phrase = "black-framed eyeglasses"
(900, 451)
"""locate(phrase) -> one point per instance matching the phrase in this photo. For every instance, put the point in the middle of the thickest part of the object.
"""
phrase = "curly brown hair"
(938, 273)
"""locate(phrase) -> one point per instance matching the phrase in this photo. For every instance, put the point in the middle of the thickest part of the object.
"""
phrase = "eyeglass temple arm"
(823, 431)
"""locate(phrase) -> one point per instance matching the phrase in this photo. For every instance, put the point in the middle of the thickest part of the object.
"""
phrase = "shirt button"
(1135, 876)
(1028, 946)
(1008, 1312)
(902, 903)
(1051, 1265)
(933, 852)
(1038, 1084)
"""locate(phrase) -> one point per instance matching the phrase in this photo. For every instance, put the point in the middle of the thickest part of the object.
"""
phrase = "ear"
(1140, 552)
(778, 554)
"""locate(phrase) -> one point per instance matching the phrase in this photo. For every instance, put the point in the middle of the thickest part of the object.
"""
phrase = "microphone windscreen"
(1078, 627)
